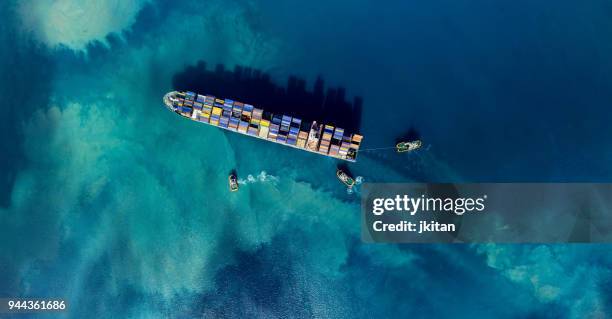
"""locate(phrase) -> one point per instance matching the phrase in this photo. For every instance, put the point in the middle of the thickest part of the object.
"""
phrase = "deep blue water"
(112, 202)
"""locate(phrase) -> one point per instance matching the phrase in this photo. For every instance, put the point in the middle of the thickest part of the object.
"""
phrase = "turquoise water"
(121, 207)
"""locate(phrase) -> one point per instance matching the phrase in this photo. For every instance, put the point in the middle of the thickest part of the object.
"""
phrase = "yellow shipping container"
(263, 131)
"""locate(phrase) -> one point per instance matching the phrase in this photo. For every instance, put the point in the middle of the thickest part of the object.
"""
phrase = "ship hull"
(247, 120)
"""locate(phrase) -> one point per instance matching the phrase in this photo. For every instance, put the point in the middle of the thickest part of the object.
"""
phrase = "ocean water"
(112, 202)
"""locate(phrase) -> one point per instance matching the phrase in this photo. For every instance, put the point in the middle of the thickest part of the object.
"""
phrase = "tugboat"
(345, 178)
(408, 146)
(233, 182)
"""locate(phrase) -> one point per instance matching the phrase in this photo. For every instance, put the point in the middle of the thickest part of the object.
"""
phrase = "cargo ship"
(242, 118)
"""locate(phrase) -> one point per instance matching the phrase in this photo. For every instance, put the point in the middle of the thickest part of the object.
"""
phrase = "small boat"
(408, 146)
(345, 178)
(233, 182)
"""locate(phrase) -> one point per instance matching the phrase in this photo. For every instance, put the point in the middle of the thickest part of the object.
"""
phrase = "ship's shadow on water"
(255, 87)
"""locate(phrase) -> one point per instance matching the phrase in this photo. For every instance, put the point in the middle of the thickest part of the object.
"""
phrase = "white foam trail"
(358, 180)
(355, 189)
(262, 177)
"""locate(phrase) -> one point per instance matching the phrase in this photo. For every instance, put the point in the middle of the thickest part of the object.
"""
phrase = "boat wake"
(358, 180)
(262, 177)
(354, 189)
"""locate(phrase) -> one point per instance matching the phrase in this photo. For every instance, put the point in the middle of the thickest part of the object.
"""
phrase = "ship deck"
(244, 119)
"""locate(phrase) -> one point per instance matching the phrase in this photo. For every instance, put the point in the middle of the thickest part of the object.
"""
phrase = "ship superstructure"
(248, 120)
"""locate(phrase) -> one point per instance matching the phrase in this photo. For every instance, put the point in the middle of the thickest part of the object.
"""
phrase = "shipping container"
(246, 112)
(242, 126)
(295, 122)
(264, 128)
(186, 110)
(237, 110)
(204, 117)
(324, 147)
(302, 137)
(273, 132)
(333, 150)
(257, 113)
(233, 124)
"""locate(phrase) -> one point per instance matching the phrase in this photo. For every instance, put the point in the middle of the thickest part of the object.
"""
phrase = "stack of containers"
(187, 108)
(216, 114)
(255, 120)
(204, 117)
(219, 104)
(186, 111)
(325, 139)
(245, 119)
(179, 101)
(199, 103)
(344, 147)
(294, 129)
(284, 129)
(197, 107)
(207, 109)
(335, 142)
(302, 136)
(236, 114)
(227, 112)
(274, 127)
(264, 125)
(355, 143)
